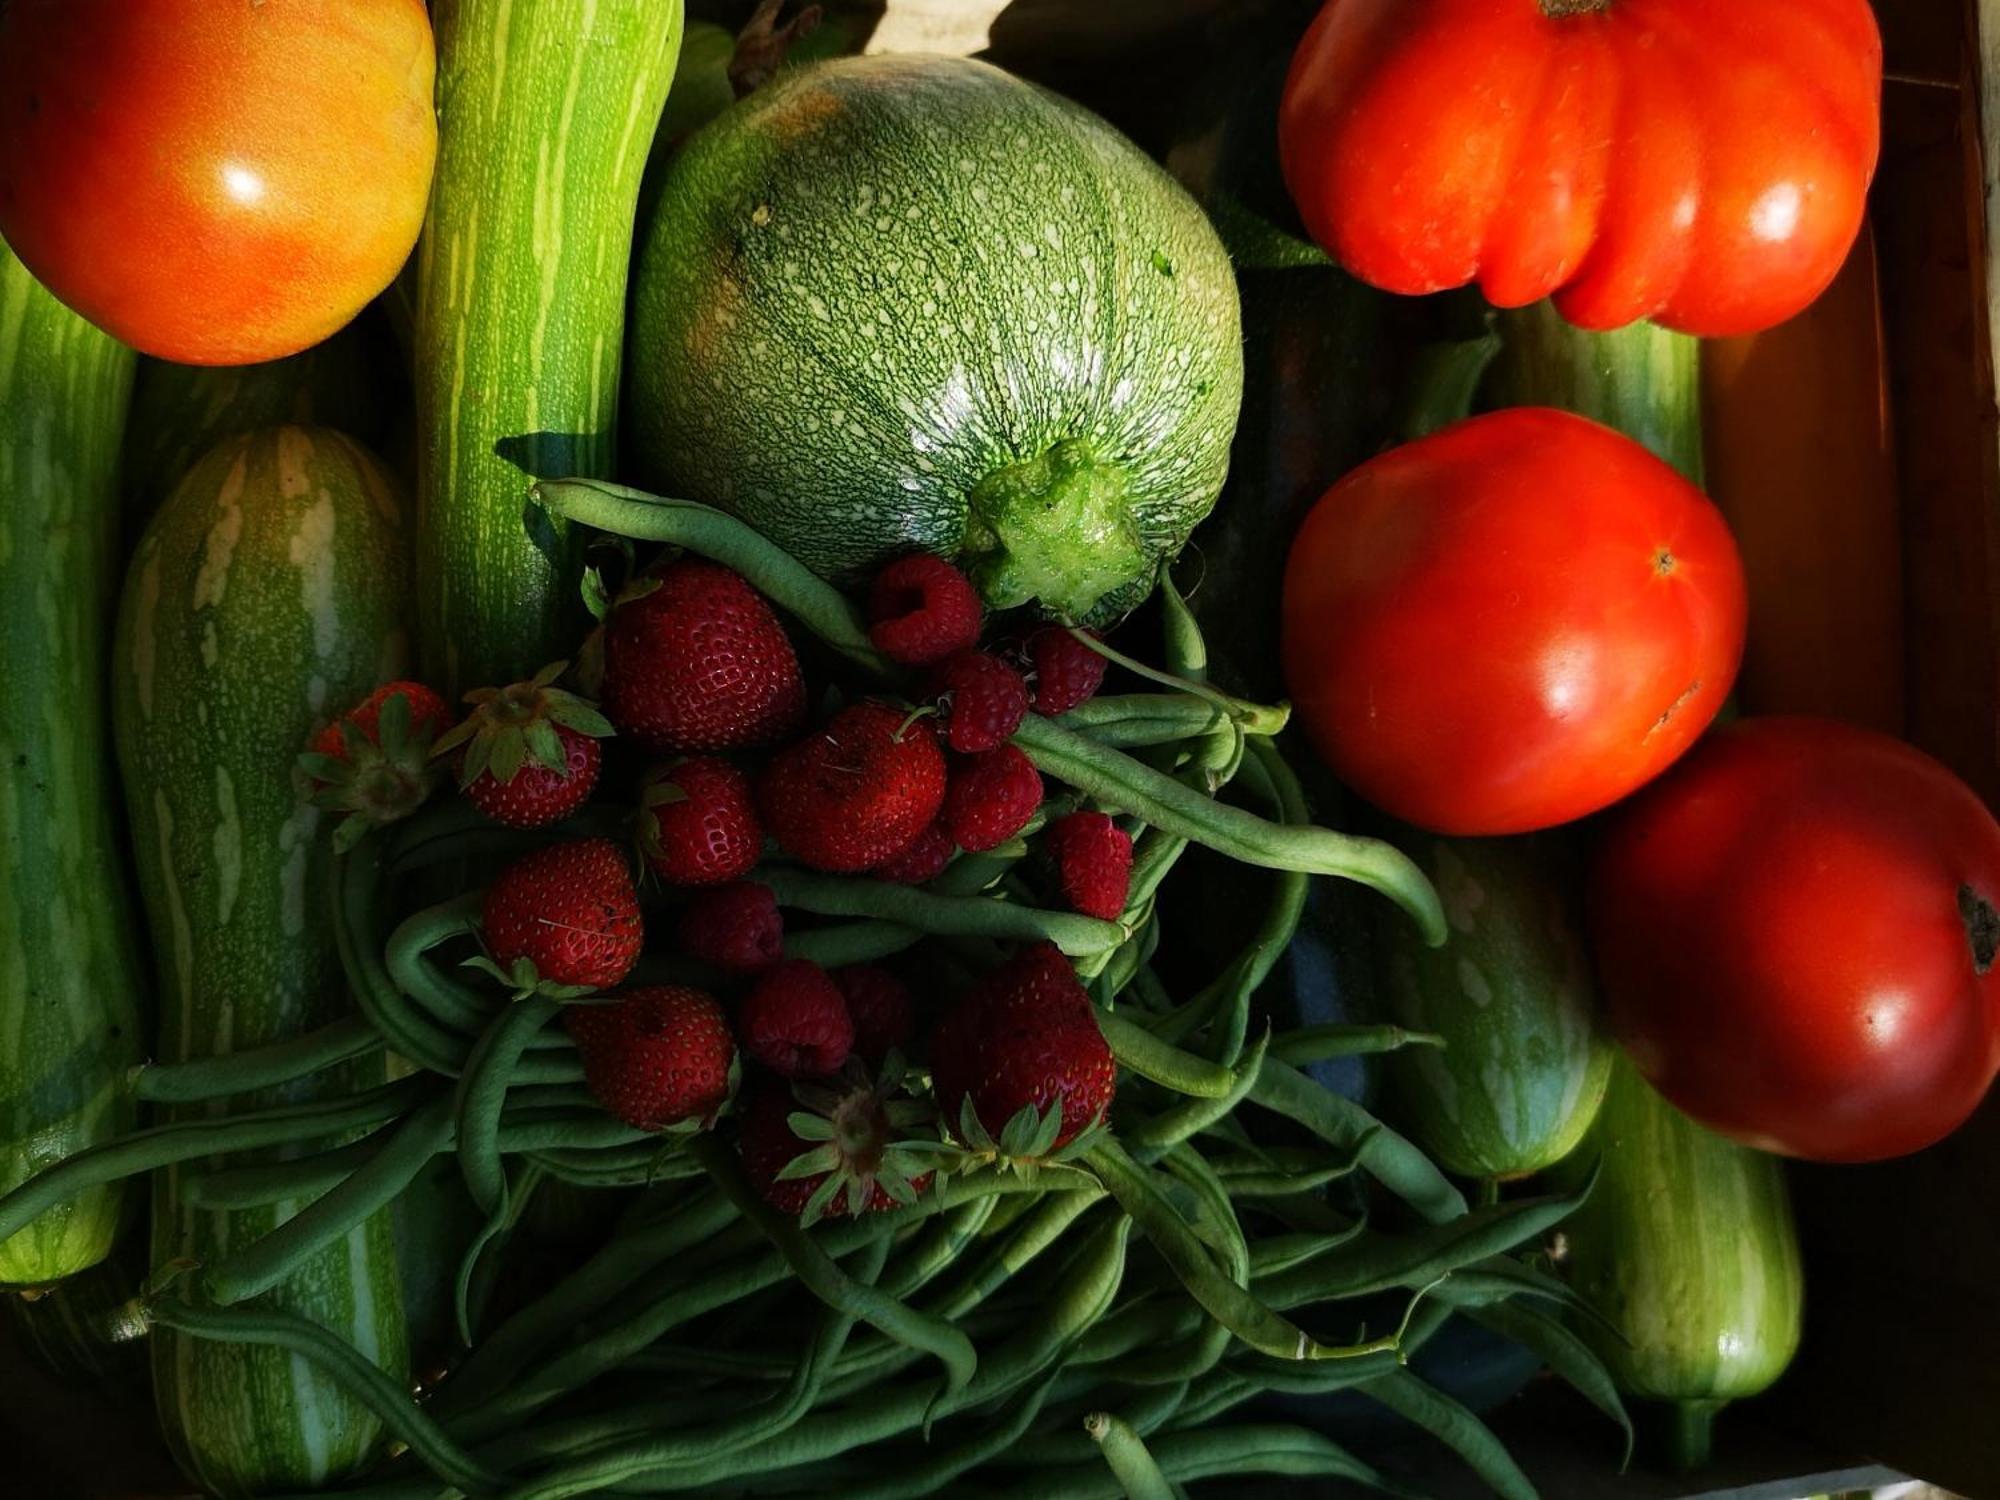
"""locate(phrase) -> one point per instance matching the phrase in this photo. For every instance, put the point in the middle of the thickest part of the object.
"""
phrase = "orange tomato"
(215, 181)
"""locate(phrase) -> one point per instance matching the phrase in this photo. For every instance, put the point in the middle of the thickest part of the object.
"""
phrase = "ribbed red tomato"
(1795, 929)
(215, 183)
(1510, 623)
(1699, 162)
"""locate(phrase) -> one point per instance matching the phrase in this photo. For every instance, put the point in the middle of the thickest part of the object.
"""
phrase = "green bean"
(1144, 719)
(851, 943)
(1149, 1139)
(187, 1140)
(1296, 1170)
(1139, 1051)
(825, 1280)
(1377, 1262)
(1138, 1325)
(295, 1179)
(482, 1095)
(357, 899)
(939, 1247)
(1563, 1352)
(353, 1371)
(1122, 782)
(262, 1264)
(1275, 1254)
(1234, 1306)
(454, 1005)
(1425, 1406)
(969, 916)
(589, 1135)
(246, 1072)
(651, 1453)
(931, 1475)
(472, 1287)
(597, 1283)
(1130, 1461)
(1260, 1374)
(1255, 718)
(640, 1164)
(1223, 1390)
(1386, 1156)
(1185, 1457)
(1311, 1044)
(789, 584)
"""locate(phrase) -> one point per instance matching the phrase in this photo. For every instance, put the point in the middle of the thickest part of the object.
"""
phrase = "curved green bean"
(482, 1096)
(1139, 1051)
(1120, 781)
(1186, 1457)
(1386, 1156)
(1311, 1044)
(851, 943)
(357, 900)
(1253, 718)
(454, 1005)
(246, 1072)
(1130, 1461)
(1149, 1139)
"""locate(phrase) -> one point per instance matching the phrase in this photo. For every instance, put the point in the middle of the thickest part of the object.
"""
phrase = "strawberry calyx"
(1026, 1143)
(375, 779)
(513, 727)
(523, 979)
(865, 1135)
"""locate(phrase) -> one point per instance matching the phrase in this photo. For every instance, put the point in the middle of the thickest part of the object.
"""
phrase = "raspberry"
(1093, 859)
(734, 927)
(984, 701)
(880, 1006)
(1066, 672)
(989, 798)
(795, 1021)
(921, 609)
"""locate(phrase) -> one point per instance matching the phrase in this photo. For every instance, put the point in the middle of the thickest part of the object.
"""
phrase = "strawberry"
(989, 798)
(1066, 672)
(695, 659)
(837, 1148)
(982, 698)
(856, 791)
(881, 1009)
(698, 822)
(563, 920)
(795, 1021)
(656, 1057)
(1019, 1066)
(924, 858)
(735, 927)
(1093, 858)
(527, 754)
(921, 609)
(374, 761)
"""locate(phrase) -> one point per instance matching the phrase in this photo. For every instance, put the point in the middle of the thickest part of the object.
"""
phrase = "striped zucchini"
(1687, 1251)
(1522, 1070)
(179, 412)
(266, 596)
(547, 110)
(69, 964)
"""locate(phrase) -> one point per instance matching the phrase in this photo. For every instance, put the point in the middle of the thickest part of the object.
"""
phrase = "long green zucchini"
(547, 110)
(1686, 1249)
(266, 596)
(69, 960)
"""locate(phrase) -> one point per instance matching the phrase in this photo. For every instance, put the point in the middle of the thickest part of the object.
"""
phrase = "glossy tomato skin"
(1511, 623)
(1788, 933)
(215, 183)
(1699, 162)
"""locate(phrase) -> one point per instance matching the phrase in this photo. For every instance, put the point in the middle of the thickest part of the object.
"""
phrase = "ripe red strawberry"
(795, 1021)
(1093, 858)
(983, 699)
(734, 927)
(656, 1057)
(527, 754)
(374, 761)
(851, 1163)
(880, 1006)
(989, 798)
(1021, 1045)
(854, 792)
(1066, 672)
(563, 920)
(923, 859)
(921, 609)
(698, 822)
(695, 659)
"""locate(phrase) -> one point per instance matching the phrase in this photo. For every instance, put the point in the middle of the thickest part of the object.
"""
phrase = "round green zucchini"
(894, 303)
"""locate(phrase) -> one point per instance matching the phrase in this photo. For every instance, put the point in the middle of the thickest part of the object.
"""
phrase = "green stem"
(1688, 1433)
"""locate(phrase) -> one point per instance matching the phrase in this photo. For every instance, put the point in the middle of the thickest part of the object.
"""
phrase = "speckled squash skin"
(889, 303)
(69, 951)
(1524, 1062)
(267, 595)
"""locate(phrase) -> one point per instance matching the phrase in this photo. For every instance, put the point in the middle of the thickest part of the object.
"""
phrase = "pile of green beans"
(1101, 1326)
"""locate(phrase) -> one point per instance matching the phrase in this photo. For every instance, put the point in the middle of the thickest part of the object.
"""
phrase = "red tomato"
(215, 183)
(1795, 930)
(1510, 623)
(1699, 162)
